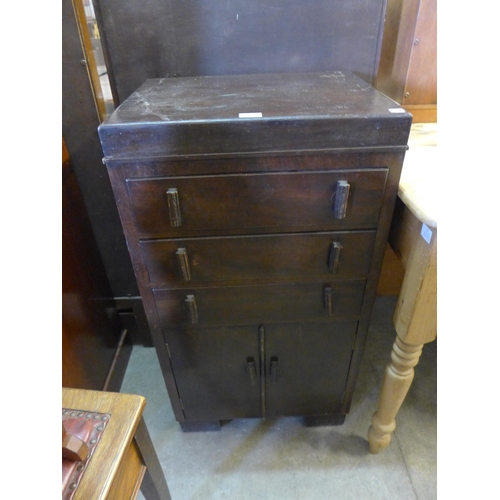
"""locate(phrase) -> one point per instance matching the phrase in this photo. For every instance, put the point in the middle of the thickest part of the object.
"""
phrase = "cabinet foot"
(199, 426)
(319, 421)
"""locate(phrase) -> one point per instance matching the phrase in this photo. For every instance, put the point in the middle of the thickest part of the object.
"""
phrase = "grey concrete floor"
(254, 459)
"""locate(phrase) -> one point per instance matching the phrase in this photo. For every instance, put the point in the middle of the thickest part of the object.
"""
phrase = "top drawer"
(254, 203)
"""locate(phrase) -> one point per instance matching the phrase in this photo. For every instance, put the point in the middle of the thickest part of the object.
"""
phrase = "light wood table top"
(418, 188)
(124, 454)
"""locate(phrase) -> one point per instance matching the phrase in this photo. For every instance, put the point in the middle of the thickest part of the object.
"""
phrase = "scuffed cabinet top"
(253, 113)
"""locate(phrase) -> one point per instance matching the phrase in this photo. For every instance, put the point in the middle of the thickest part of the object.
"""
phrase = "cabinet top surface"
(240, 114)
(265, 96)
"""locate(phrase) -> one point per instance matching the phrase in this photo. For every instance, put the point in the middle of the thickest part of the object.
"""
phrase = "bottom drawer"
(244, 305)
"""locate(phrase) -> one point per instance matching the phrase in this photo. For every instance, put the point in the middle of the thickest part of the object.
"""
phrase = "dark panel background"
(79, 129)
(91, 328)
(158, 38)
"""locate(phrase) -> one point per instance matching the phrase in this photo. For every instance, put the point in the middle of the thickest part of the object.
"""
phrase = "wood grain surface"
(126, 411)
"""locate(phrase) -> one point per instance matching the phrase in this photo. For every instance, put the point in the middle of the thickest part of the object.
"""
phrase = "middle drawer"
(277, 257)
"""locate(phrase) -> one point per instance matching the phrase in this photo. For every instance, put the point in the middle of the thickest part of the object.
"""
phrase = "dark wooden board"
(203, 115)
(157, 38)
(91, 328)
(79, 129)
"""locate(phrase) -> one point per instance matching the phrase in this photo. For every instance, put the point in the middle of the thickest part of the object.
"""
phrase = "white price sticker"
(426, 233)
(250, 115)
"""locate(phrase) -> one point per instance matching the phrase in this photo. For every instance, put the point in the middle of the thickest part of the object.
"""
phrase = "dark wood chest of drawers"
(256, 210)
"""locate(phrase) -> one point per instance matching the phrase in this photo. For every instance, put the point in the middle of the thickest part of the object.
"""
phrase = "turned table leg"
(414, 317)
(397, 380)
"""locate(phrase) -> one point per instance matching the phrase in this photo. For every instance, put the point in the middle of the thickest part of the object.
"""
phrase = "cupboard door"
(216, 371)
(306, 367)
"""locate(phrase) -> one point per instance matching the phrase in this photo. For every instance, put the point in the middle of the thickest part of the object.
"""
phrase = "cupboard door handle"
(328, 299)
(334, 257)
(273, 369)
(183, 263)
(192, 309)
(174, 208)
(252, 370)
(341, 197)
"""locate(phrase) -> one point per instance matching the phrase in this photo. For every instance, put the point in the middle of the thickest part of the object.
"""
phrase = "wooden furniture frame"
(125, 459)
(257, 240)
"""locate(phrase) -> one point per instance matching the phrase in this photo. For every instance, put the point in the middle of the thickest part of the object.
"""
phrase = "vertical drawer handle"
(252, 370)
(192, 309)
(334, 257)
(183, 263)
(341, 197)
(273, 369)
(328, 299)
(174, 208)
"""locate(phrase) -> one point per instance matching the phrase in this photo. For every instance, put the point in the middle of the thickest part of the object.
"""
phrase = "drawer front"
(285, 257)
(178, 206)
(244, 305)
